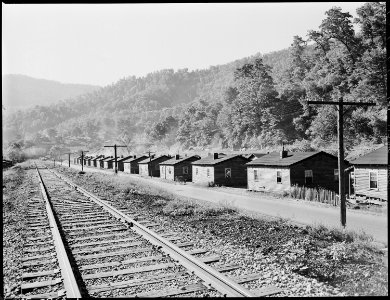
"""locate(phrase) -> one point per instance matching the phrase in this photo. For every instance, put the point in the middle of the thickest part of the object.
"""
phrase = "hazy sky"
(101, 43)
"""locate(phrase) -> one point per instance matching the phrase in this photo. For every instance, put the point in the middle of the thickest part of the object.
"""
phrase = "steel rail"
(210, 276)
(70, 283)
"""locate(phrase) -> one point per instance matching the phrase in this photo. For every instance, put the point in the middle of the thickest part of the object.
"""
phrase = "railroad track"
(114, 252)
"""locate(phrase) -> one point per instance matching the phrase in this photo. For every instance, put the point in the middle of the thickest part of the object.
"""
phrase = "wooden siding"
(267, 179)
(143, 170)
(108, 164)
(201, 177)
(177, 170)
(322, 166)
(362, 182)
(127, 167)
(152, 168)
(217, 173)
(237, 170)
(167, 172)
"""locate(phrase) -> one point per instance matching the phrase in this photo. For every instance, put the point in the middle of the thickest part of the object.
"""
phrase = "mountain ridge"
(21, 91)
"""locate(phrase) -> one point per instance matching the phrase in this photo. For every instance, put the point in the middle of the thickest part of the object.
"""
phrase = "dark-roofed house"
(108, 163)
(103, 160)
(371, 174)
(228, 170)
(150, 166)
(130, 165)
(95, 160)
(89, 160)
(278, 171)
(178, 168)
(120, 162)
(99, 161)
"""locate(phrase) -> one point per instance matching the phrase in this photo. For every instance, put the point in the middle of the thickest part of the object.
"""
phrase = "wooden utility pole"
(115, 146)
(69, 153)
(82, 159)
(340, 122)
(150, 159)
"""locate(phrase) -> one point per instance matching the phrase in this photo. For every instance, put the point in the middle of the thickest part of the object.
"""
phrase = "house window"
(208, 172)
(308, 176)
(373, 180)
(278, 176)
(228, 173)
(196, 171)
(255, 175)
(336, 174)
(185, 170)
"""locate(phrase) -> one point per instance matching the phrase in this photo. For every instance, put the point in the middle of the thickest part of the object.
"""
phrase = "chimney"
(283, 154)
(122, 156)
(215, 155)
(177, 156)
(135, 156)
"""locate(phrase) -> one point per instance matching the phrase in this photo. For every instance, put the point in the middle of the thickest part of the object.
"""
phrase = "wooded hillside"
(253, 103)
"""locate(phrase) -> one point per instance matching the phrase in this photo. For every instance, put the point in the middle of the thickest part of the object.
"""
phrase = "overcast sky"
(101, 43)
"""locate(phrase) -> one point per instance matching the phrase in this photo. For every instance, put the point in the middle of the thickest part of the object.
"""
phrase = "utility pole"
(69, 153)
(340, 122)
(115, 146)
(82, 159)
(150, 159)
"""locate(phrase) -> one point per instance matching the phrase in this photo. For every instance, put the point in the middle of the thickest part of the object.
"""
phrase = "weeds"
(312, 194)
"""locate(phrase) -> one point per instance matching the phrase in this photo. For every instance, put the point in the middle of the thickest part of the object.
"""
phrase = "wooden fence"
(313, 194)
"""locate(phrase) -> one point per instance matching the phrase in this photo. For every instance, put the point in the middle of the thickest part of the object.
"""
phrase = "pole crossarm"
(340, 122)
(115, 146)
(343, 103)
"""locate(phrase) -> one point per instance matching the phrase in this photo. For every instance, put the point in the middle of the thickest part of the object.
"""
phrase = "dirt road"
(297, 211)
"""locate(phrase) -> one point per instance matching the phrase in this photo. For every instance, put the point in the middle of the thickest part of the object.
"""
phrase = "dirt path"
(296, 211)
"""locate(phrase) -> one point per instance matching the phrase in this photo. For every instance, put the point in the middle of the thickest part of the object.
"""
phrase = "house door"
(352, 183)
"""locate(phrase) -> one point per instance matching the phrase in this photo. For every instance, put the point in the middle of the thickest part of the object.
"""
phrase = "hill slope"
(20, 91)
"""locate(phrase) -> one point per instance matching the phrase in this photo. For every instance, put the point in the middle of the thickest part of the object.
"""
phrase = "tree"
(15, 152)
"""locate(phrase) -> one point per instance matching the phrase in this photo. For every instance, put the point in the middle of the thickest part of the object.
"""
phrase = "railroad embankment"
(303, 261)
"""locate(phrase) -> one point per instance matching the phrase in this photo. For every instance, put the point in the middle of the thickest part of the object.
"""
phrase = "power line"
(340, 122)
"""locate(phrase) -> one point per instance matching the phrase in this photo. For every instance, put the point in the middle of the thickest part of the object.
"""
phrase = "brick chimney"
(283, 153)
(215, 155)
(177, 156)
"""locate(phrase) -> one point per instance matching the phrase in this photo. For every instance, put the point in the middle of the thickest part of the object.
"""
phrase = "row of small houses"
(276, 171)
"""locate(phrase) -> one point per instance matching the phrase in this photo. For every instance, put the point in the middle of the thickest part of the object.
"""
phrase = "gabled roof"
(119, 159)
(174, 161)
(273, 158)
(106, 158)
(377, 157)
(97, 157)
(148, 160)
(131, 159)
(211, 161)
